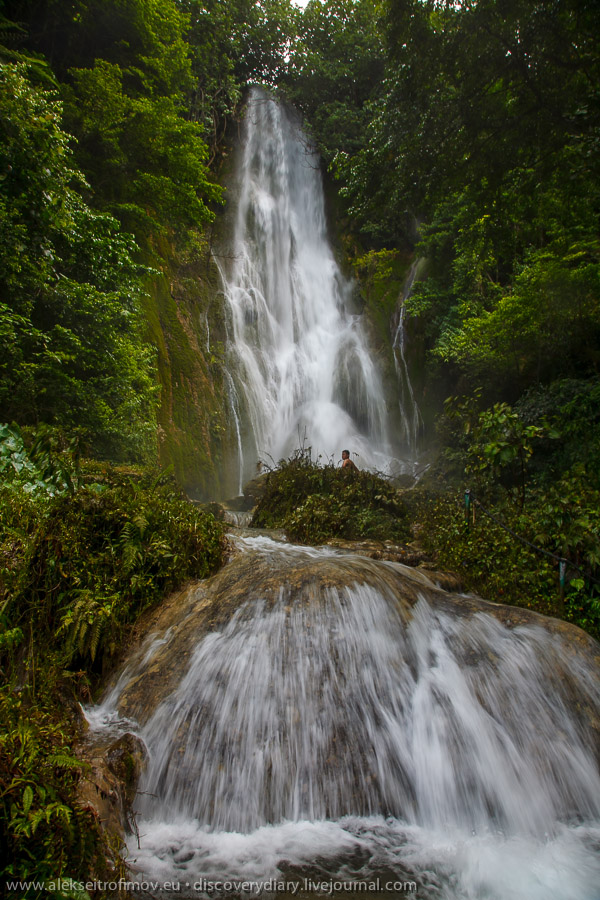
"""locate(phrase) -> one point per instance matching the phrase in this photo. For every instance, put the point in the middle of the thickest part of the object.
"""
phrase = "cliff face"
(185, 319)
(185, 324)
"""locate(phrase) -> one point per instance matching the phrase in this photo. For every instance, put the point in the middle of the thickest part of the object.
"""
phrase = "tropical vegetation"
(314, 503)
(465, 134)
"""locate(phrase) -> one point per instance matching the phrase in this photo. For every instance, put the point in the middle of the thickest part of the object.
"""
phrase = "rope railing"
(471, 501)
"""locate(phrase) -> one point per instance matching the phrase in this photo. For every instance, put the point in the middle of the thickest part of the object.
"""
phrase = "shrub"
(315, 503)
(45, 834)
(562, 520)
(84, 549)
(80, 559)
(97, 558)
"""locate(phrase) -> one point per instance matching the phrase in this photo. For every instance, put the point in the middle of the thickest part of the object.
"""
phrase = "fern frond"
(63, 761)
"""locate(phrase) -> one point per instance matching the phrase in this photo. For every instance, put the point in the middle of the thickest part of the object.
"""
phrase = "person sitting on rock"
(347, 462)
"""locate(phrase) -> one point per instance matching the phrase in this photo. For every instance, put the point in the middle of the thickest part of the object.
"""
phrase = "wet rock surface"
(109, 786)
(329, 641)
(407, 554)
(205, 607)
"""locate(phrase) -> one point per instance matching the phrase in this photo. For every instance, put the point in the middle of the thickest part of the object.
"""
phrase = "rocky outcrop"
(108, 787)
(299, 634)
(407, 554)
(303, 578)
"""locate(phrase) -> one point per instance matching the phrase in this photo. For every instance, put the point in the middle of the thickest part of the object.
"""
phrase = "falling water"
(411, 421)
(302, 369)
(348, 720)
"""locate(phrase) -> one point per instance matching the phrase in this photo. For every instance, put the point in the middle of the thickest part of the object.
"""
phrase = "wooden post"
(562, 572)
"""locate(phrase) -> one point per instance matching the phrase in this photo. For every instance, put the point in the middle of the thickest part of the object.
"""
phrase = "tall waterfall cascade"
(314, 716)
(301, 369)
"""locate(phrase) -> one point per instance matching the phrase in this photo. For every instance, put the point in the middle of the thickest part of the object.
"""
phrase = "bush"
(315, 503)
(84, 550)
(535, 469)
(45, 834)
(563, 521)
(94, 559)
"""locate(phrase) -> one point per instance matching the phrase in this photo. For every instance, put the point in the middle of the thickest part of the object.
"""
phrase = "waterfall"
(316, 715)
(411, 421)
(298, 357)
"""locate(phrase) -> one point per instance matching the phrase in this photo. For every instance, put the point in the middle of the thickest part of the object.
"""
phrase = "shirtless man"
(347, 462)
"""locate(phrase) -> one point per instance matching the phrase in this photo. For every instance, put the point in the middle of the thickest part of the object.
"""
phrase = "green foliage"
(70, 290)
(481, 97)
(335, 76)
(315, 503)
(48, 465)
(45, 835)
(487, 129)
(536, 454)
(216, 92)
(264, 32)
(336, 66)
(498, 443)
(545, 323)
(12, 34)
(146, 88)
(487, 557)
(97, 557)
(125, 73)
(151, 158)
(381, 275)
(567, 519)
(495, 564)
(149, 86)
(501, 441)
(550, 431)
(572, 409)
(84, 550)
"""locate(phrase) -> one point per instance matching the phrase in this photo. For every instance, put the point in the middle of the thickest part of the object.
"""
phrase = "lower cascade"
(317, 721)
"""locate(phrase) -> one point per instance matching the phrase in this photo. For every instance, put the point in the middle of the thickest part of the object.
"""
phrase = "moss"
(191, 417)
(382, 276)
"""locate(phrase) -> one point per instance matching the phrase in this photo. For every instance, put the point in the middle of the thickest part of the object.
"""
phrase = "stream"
(322, 723)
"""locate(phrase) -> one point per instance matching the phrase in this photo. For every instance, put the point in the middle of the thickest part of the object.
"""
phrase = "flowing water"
(301, 369)
(313, 717)
(411, 420)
